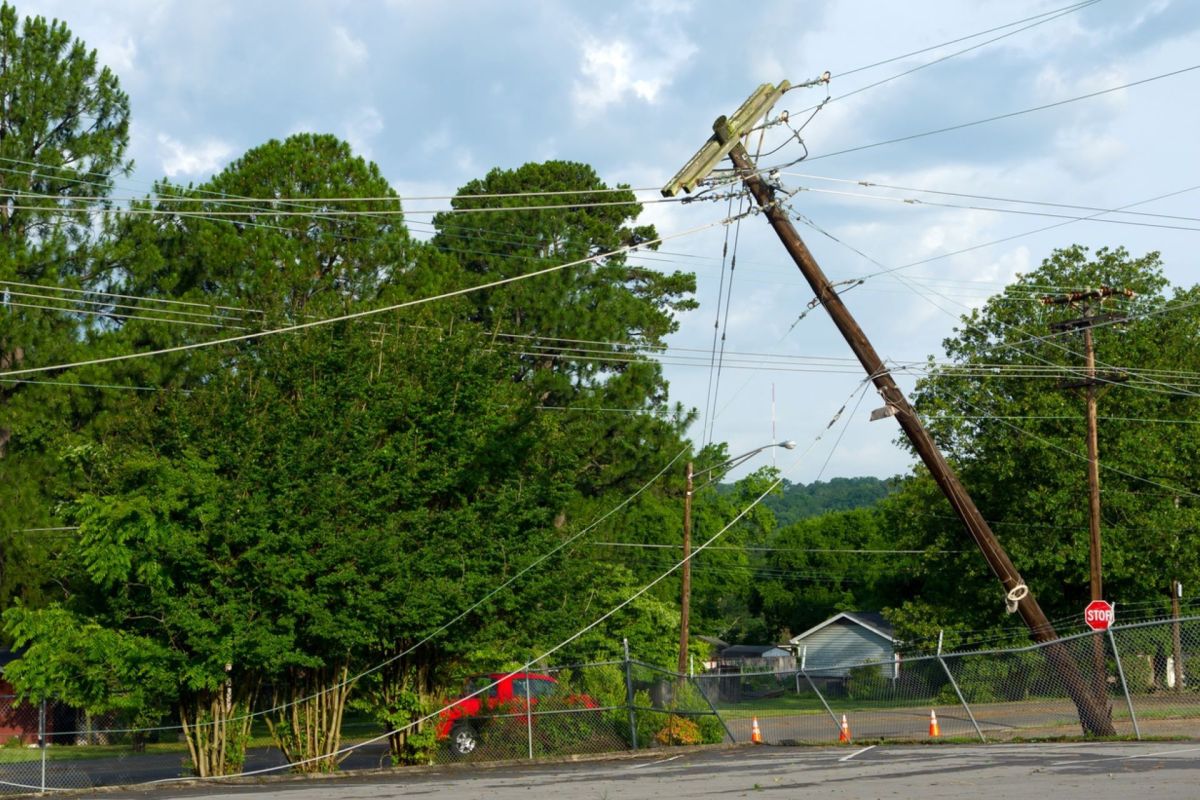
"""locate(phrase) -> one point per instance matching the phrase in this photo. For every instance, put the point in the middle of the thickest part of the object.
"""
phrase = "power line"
(326, 213)
(1020, 212)
(104, 293)
(89, 385)
(115, 315)
(1030, 337)
(893, 59)
(1008, 115)
(233, 199)
(1041, 19)
(854, 551)
(357, 314)
(993, 198)
(1174, 490)
(5, 293)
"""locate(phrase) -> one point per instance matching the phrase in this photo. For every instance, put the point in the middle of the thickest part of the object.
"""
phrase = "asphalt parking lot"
(1096, 771)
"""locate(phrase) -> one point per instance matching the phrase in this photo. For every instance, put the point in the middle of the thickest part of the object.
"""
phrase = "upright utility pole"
(1091, 383)
(1095, 714)
(685, 602)
(1176, 639)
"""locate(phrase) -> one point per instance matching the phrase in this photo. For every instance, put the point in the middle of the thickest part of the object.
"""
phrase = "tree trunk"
(216, 729)
(308, 729)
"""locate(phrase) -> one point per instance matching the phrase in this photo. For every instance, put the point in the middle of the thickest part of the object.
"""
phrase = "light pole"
(685, 601)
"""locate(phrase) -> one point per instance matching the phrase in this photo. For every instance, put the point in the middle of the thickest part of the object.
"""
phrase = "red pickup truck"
(461, 721)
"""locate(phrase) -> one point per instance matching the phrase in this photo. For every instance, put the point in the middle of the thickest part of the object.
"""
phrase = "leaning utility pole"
(1095, 714)
(1090, 382)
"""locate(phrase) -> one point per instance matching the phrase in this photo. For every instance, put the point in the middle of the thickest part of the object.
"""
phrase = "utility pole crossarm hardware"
(1095, 715)
(716, 148)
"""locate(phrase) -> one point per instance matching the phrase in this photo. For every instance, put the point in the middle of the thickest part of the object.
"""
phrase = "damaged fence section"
(1140, 675)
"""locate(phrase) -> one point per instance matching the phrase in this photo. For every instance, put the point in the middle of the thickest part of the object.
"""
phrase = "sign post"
(1099, 615)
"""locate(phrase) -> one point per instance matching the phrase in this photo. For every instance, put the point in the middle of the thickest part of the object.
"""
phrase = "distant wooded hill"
(800, 501)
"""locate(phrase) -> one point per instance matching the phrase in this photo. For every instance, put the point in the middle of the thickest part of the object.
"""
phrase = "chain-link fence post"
(712, 706)
(528, 716)
(957, 691)
(42, 740)
(1124, 686)
(629, 697)
(821, 697)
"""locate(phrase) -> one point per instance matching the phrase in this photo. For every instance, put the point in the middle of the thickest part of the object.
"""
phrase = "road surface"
(1072, 771)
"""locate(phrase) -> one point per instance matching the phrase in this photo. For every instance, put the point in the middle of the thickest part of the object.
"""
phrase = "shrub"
(679, 730)
(866, 683)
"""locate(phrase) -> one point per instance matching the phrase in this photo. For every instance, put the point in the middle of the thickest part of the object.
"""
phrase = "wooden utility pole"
(685, 601)
(1095, 714)
(1091, 383)
(1176, 639)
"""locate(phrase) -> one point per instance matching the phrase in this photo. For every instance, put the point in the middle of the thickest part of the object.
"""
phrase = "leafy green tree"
(1018, 439)
(290, 229)
(571, 331)
(799, 501)
(561, 212)
(64, 129)
(828, 564)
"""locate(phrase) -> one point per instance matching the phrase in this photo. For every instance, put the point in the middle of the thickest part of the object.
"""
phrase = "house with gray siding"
(846, 640)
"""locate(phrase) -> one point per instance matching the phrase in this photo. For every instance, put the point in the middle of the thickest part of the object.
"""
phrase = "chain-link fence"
(586, 708)
(1132, 681)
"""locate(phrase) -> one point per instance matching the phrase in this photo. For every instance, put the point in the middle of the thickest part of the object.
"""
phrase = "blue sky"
(438, 93)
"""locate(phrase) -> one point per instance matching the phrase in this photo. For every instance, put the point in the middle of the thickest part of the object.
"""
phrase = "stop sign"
(1099, 615)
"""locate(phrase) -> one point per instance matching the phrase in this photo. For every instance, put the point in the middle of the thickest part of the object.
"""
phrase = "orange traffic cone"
(935, 730)
(755, 733)
(844, 735)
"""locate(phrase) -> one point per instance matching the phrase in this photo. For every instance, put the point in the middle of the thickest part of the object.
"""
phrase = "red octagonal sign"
(1099, 615)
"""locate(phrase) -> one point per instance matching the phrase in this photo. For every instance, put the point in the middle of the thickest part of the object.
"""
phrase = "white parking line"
(1125, 758)
(652, 763)
(856, 753)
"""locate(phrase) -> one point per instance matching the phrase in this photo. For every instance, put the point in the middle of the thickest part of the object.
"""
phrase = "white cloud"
(612, 71)
(362, 128)
(607, 76)
(1088, 153)
(119, 56)
(197, 160)
(348, 52)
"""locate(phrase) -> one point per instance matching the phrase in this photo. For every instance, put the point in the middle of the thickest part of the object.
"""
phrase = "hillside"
(800, 501)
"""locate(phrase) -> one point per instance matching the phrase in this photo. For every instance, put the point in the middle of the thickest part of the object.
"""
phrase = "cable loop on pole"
(1015, 596)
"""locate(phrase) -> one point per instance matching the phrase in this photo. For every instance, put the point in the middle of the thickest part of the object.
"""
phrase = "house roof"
(714, 641)
(750, 650)
(871, 620)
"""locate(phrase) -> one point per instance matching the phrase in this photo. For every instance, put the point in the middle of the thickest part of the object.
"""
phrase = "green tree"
(827, 564)
(290, 229)
(64, 128)
(799, 501)
(301, 517)
(1018, 439)
(561, 212)
(574, 333)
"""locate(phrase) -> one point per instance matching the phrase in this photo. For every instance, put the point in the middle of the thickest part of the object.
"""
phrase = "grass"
(357, 726)
(17, 755)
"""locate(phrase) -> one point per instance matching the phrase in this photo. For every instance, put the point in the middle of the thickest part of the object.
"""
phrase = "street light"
(685, 601)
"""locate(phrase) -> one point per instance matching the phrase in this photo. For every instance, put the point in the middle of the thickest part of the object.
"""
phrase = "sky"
(439, 93)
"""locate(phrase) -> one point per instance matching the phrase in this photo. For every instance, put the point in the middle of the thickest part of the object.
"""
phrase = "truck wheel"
(463, 740)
